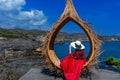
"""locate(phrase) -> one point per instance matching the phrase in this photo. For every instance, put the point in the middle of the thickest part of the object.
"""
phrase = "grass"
(13, 34)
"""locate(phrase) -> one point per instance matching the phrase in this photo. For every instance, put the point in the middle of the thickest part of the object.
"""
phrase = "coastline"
(24, 63)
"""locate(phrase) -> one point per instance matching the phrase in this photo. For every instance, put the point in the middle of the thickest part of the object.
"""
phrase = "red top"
(72, 65)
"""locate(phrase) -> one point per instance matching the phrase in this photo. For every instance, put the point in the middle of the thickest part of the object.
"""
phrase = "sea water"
(108, 48)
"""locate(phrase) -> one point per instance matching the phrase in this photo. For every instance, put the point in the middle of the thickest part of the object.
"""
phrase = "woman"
(74, 62)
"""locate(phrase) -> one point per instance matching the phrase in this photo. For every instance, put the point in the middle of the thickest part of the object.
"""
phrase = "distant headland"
(39, 35)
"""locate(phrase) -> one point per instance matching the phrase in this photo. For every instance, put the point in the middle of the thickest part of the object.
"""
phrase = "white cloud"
(12, 16)
(33, 14)
(11, 4)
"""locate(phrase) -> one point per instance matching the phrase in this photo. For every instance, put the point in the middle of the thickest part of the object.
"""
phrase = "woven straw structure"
(70, 14)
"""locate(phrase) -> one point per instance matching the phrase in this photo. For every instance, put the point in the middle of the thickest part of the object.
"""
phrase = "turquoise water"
(108, 48)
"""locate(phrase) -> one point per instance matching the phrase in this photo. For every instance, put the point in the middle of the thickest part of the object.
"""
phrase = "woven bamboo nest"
(70, 14)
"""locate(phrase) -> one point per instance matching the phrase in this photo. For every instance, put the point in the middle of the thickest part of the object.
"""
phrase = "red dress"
(72, 65)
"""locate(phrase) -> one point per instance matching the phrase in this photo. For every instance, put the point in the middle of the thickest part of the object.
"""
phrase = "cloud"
(12, 16)
(11, 4)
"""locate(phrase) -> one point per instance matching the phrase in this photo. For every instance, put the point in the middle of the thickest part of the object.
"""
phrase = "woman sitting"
(74, 62)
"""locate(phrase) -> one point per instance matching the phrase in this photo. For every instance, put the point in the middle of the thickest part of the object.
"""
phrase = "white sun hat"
(78, 43)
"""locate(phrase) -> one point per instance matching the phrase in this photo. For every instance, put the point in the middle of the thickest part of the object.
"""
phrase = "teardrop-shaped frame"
(70, 14)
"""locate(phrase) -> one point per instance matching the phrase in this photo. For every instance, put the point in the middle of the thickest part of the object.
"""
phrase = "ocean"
(109, 48)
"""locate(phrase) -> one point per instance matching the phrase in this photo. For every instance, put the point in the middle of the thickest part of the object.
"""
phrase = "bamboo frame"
(70, 14)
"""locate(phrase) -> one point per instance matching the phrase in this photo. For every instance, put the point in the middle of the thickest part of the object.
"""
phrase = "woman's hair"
(78, 47)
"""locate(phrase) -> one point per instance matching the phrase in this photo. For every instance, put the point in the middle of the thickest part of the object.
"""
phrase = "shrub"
(112, 61)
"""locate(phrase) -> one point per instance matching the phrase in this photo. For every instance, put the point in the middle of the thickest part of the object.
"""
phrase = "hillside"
(37, 34)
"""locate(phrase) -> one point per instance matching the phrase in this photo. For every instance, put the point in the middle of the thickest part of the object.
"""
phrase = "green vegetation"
(13, 33)
(20, 33)
(28, 34)
(112, 61)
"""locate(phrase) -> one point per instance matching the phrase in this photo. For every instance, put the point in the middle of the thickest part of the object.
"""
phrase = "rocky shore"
(18, 47)
(17, 56)
(18, 51)
(19, 61)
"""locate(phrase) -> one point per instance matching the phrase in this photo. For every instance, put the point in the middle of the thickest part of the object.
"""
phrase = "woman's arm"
(70, 49)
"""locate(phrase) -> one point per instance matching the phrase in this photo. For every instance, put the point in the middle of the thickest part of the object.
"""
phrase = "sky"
(103, 15)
